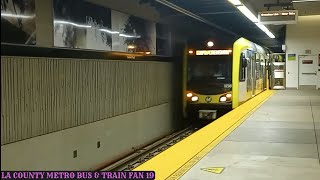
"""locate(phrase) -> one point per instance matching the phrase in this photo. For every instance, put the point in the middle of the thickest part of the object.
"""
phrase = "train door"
(250, 70)
(259, 73)
(265, 72)
(253, 73)
(243, 77)
(256, 73)
(269, 70)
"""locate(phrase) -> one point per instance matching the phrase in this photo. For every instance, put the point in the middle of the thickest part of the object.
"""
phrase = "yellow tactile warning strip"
(178, 159)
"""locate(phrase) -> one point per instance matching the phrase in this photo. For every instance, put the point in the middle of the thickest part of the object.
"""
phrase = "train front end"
(208, 92)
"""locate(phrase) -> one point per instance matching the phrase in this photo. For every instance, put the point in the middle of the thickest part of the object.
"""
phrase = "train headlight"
(223, 99)
(195, 98)
(189, 95)
(228, 95)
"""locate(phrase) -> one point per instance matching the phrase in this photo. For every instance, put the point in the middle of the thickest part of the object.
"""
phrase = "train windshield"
(210, 74)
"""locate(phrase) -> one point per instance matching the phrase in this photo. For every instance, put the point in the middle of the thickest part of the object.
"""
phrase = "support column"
(44, 23)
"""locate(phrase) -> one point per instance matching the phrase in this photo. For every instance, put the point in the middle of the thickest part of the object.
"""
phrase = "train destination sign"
(279, 17)
(212, 52)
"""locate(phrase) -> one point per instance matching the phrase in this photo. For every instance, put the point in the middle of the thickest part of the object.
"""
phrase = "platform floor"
(279, 141)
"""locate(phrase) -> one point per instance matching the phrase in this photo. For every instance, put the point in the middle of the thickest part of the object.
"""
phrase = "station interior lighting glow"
(235, 2)
(210, 44)
(245, 11)
(248, 13)
(131, 47)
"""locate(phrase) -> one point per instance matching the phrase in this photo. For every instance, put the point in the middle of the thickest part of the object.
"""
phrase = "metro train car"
(219, 78)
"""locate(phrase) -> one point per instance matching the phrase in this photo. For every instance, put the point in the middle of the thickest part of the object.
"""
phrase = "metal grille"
(45, 95)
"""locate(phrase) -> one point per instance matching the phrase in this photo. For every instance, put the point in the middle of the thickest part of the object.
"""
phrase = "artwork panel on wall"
(79, 24)
(18, 22)
(135, 34)
(163, 40)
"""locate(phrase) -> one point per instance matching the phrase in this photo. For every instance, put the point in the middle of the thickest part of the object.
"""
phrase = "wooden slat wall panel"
(45, 95)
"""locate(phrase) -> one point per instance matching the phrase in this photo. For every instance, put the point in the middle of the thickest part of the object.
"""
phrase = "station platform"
(275, 135)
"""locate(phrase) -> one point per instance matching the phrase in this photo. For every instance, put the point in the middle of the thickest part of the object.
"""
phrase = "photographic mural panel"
(134, 34)
(163, 40)
(83, 25)
(79, 24)
(18, 22)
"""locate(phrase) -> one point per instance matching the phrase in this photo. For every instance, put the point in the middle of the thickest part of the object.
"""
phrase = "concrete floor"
(280, 141)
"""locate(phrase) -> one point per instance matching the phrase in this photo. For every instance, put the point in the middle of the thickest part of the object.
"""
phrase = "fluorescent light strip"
(16, 15)
(248, 13)
(270, 34)
(262, 27)
(265, 29)
(245, 11)
(235, 2)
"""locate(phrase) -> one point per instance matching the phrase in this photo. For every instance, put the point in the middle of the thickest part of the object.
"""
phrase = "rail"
(146, 153)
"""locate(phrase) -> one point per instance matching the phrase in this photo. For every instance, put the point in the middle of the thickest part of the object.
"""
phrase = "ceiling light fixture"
(245, 11)
(248, 13)
(235, 2)
(265, 29)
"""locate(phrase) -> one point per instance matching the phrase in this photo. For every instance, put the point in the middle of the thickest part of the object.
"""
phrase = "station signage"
(212, 52)
(278, 17)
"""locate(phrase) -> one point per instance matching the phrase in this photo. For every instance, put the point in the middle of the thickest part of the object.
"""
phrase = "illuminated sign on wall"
(268, 14)
(212, 52)
(307, 61)
(279, 17)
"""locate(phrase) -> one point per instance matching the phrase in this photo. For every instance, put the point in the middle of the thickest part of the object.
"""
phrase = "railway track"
(142, 155)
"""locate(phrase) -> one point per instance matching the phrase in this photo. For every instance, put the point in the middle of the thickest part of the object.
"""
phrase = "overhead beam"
(214, 13)
(278, 4)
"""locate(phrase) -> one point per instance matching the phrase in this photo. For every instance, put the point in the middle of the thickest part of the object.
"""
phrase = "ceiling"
(304, 9)
(222, 14)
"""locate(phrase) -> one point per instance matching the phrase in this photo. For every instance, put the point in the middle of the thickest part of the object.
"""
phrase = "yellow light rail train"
(220, 78)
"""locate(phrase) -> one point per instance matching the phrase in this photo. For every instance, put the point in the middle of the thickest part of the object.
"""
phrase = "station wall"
(134, 7)
(86, 24)
(74, 114)
(77, 114)
(301, 37)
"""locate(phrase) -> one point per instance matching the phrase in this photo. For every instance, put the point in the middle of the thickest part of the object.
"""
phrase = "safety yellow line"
(186, 167)
(178, 159)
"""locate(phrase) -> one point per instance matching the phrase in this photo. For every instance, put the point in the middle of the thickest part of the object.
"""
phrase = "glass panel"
(18, 22)
(208, 75)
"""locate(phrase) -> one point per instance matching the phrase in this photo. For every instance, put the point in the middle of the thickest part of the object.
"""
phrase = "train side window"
(243, 65)
(262, 71)
(256, 69)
